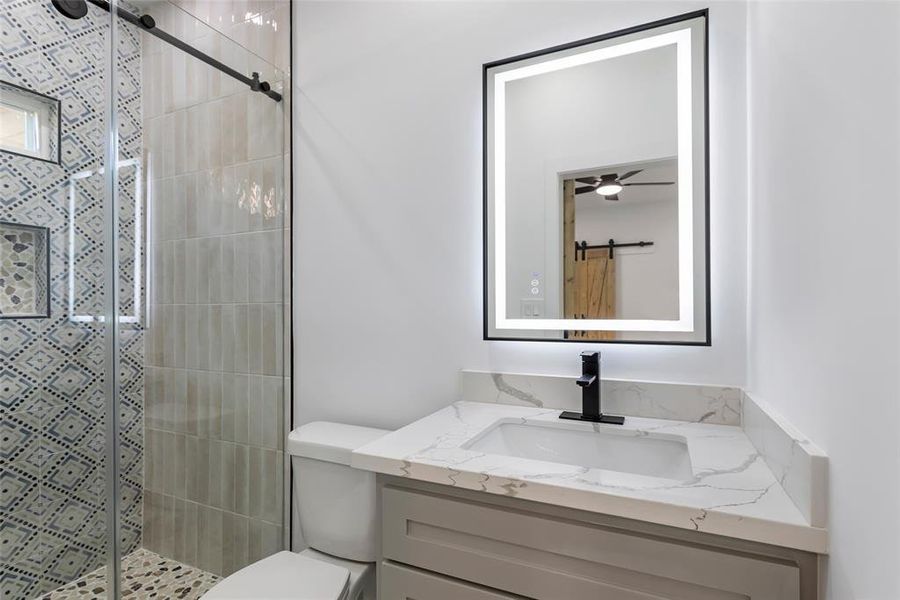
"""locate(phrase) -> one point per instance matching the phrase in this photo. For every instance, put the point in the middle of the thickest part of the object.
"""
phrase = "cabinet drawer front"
(547, 558)
(403, 583)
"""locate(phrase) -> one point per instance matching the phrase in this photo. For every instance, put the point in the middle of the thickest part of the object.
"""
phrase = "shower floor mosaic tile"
(145, 575)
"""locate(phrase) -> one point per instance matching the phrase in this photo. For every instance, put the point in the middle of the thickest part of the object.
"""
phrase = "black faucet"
(590, 393)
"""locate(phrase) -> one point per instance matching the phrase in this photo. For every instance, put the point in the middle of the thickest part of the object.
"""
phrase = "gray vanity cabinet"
(398, 582)
(439, 542)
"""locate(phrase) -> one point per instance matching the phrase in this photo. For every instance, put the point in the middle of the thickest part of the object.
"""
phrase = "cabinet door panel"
(546, 558)
(403, 583)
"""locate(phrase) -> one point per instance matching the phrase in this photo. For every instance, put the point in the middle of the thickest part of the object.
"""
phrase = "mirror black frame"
(486, 250)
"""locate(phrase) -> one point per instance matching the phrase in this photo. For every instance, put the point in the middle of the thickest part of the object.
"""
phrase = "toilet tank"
(336, 502)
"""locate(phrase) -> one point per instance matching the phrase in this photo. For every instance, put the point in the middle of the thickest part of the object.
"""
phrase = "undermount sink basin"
(623, 450)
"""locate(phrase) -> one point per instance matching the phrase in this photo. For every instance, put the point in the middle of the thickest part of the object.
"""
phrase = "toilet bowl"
(285, 575)
(336, 504)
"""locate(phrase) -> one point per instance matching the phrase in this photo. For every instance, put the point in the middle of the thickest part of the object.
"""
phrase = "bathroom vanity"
(451, 544)
(596, 229)
(487, 501)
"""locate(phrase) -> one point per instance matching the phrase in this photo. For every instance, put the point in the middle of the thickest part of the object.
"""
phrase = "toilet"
(336, 504)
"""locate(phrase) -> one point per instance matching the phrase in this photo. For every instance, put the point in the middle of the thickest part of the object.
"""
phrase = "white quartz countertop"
(732, 491)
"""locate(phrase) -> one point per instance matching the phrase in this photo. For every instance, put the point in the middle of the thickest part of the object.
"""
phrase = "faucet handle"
(586, 380)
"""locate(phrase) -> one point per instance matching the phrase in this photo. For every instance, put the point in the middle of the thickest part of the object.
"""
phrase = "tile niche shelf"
(24, 271)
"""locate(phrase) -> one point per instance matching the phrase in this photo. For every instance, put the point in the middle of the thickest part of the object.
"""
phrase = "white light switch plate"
(532, 308)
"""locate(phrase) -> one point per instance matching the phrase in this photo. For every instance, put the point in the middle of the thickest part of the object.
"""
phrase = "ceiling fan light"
(609, 188)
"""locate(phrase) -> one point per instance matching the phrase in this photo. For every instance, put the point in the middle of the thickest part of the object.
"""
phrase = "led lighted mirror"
(596, 189)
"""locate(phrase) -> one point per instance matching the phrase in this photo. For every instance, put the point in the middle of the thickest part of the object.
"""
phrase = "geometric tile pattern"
(52, 407)
(145, 575)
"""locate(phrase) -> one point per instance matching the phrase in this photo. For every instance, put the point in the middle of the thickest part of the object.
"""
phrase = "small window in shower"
(29, 123)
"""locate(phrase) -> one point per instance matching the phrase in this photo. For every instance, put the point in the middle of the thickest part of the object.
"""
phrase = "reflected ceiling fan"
(610, 185)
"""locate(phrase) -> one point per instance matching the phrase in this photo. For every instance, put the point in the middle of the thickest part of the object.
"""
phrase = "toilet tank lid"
(332, 442)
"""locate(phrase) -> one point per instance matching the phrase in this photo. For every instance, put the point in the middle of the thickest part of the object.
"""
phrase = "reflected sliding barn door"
(595, 291)
(590, 276)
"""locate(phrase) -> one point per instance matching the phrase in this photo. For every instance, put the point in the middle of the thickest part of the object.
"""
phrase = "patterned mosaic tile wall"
(52, 509)
(215, 387)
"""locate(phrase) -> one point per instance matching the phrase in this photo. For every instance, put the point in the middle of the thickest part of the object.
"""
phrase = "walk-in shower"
(144, 315)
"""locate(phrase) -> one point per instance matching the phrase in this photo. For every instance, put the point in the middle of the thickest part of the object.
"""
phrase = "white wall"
(825, 108)
(388, 178)
(388, 246)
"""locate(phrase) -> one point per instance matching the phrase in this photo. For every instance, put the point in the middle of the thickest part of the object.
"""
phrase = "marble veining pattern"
(732, 491)
(145, 575)
(800, 466)
(681, 402)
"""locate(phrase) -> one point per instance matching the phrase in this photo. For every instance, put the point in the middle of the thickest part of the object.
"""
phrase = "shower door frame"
(111, 312)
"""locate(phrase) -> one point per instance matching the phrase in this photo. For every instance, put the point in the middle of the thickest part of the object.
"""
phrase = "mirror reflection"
(620, 249)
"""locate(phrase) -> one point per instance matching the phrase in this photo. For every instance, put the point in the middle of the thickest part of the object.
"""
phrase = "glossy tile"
(236, 538)
(210, 538)
(216, 326)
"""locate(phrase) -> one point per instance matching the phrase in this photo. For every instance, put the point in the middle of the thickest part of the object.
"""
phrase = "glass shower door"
(201, 240)
(56, 338)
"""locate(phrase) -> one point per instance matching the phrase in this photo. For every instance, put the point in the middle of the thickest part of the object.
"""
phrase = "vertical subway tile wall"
(215, 376)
